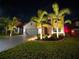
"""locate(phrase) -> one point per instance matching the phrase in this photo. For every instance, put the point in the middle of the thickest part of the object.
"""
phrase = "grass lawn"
(4, 36)
(63, 49)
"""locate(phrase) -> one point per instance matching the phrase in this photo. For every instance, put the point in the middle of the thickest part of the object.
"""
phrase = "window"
(55, 30)
(59, 30)
(77, 23)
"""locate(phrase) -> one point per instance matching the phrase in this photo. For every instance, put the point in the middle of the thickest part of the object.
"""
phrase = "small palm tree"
(57, 16)
(12, 25)
(5, 22)
(38, 21)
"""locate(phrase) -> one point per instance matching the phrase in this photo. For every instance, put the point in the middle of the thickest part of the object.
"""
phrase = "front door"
(45, 31)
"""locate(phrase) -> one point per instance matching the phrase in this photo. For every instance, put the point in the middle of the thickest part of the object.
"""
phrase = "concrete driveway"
(11, 42)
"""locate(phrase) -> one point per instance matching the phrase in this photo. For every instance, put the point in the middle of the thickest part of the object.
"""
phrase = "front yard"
(62, 49)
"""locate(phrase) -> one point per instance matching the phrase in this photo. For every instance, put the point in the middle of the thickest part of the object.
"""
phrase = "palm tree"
(38, 21)
(4, 23)
(57, 16)
(12, 25)
(68, 21)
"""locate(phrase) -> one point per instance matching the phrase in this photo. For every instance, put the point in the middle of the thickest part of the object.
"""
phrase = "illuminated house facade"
(47, 28)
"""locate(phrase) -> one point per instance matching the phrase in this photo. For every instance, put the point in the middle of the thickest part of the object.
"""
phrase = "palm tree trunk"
(41, 35)
(10, 33)
(5, 31)
(57, 30)
(40, 32)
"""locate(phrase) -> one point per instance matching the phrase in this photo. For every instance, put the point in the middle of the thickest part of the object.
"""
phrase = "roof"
(30, 24)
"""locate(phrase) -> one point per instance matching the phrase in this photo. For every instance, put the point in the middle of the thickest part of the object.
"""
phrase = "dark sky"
(27, 8)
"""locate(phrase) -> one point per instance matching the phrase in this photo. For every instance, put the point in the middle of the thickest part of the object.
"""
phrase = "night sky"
(27, 8)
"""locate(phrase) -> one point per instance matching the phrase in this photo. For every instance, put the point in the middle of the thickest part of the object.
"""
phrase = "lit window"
(55, 30)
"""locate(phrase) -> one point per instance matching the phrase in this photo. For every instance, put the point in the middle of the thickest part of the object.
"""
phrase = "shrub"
(45, 37)
(61, 37)
(38, 36)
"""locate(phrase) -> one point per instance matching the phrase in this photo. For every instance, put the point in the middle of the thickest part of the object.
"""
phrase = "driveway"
(11, 42)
